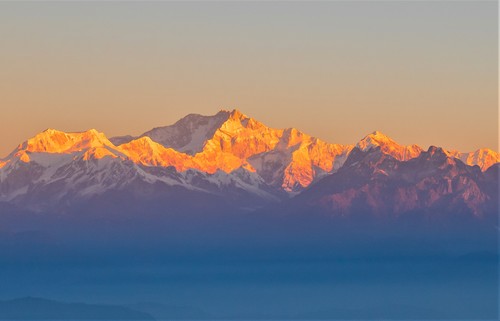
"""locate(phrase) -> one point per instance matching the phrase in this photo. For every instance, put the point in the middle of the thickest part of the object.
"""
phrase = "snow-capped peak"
(388, 146)
(375, 139)
(55, 141)
(483, 157)
(188, 134)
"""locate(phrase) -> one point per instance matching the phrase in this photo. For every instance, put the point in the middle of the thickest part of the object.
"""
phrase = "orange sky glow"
(420, 72)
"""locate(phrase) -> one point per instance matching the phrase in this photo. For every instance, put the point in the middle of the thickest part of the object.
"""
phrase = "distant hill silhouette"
(30, 308)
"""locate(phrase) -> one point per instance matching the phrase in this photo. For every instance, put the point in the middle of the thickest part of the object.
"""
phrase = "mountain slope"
(55, 170)
(189, 134)
(287, 159)
(244, 142)
(377, 183)
(484, 157)
(147, 152)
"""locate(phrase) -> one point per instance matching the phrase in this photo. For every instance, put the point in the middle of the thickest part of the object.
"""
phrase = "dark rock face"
(377, 183)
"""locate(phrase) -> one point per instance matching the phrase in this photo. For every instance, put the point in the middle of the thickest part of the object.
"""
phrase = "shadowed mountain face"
(377, 183)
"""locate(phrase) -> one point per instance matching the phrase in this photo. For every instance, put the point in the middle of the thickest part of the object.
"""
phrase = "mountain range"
(232, 162)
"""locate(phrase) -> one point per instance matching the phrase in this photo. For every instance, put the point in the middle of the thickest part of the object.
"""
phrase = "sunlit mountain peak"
(374, 139)
(483, 157)
(55, 141)
(388, 146)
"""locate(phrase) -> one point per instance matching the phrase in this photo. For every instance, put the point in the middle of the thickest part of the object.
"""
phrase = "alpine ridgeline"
(230, 161)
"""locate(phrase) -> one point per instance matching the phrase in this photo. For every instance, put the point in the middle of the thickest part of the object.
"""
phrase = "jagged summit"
(233, 111)
(236, 114)
(435, 149)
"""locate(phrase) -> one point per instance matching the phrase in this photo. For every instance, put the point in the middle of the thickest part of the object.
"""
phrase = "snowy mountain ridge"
(228, 153)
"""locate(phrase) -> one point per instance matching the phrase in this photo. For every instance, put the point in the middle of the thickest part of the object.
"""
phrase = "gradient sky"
(421, 72)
